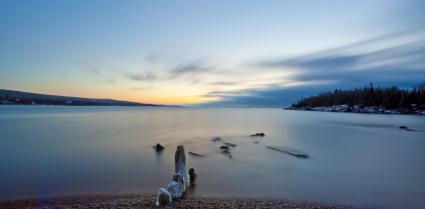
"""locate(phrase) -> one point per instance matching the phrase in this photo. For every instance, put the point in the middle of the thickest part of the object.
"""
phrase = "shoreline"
(145, 200)
(361, 109)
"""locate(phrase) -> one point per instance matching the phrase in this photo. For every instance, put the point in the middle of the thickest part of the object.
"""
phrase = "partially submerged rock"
(289, 151)
(227, 152)
(158, 147)
(224, 147)
(196, 154)
(405, 128)
(258, 134)
(230, 144)
(192, 174)
(216, 139)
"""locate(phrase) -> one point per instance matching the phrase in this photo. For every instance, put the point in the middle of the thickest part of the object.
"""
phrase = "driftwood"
(177, 188)
(196, 154)
(289, 151)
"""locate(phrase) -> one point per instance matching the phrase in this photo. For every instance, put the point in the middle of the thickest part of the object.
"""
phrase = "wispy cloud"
(189, 68)
(150, 76)
(224, 83)
(386, 61)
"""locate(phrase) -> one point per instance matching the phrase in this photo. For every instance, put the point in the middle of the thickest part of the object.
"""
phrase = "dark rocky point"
(402, 127)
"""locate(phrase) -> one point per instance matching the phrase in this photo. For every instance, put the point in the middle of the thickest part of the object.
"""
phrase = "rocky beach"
(148, 201)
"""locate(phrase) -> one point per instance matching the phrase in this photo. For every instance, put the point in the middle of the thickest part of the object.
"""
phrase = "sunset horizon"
(227, 104)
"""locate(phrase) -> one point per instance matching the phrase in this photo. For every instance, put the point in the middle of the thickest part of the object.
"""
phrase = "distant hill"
(26, 98)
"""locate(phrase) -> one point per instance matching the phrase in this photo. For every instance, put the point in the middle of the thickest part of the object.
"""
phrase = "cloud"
(150, 76)
(188, 68)
(398, 64)
(224, 83)
(393, 60)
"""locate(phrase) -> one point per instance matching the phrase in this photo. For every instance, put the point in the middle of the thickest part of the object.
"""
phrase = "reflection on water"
(355, 158)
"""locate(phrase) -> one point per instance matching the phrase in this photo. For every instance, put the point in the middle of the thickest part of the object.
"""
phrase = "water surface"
(356, 159)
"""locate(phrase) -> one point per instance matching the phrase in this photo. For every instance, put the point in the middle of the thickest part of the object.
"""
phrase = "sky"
(218, 52)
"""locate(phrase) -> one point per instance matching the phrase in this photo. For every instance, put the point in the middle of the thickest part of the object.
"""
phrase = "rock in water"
(192, 174)
(402, 127)
(230, 144)
(158, 147)
(216, 139)
(224, 147)
(259, 134)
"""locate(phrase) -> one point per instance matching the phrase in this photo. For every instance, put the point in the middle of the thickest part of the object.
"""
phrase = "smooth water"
(360, 159)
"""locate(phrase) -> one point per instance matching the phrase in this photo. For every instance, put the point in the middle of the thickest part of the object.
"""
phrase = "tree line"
(389, 98)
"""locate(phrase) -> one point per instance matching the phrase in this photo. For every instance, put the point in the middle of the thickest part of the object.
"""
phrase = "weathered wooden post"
(177, 188)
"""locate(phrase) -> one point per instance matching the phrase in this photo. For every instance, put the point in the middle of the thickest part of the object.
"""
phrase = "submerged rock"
(230, 144)
(406, 128)
(224, 147)
(216, 139)
(192, 174)
(259, 134)
(158, 147)
(227, 152)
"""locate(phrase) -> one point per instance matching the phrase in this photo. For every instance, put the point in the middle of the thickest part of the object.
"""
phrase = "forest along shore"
(390, 100)
(361, 109)
(148, 201)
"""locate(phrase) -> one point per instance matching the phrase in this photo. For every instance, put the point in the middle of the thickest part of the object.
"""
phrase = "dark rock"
(227, 152)
(406, 128)
(158, 147)
(192, 174)
(230, 144)
(259, 134)
(224, 147)
(216, 139)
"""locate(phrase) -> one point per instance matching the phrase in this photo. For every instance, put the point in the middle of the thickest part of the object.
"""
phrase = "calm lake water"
(357, 159)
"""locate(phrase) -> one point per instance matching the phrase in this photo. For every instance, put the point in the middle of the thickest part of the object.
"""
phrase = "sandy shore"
(147, 201)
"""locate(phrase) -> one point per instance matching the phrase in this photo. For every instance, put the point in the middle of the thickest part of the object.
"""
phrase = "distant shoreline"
(361, 109)
(76, 105)
(12, 97)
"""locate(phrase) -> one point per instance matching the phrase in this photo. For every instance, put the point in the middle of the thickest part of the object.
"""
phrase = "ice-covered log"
(177, 187)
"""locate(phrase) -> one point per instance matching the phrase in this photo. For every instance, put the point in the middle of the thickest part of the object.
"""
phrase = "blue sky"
(215, 52)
